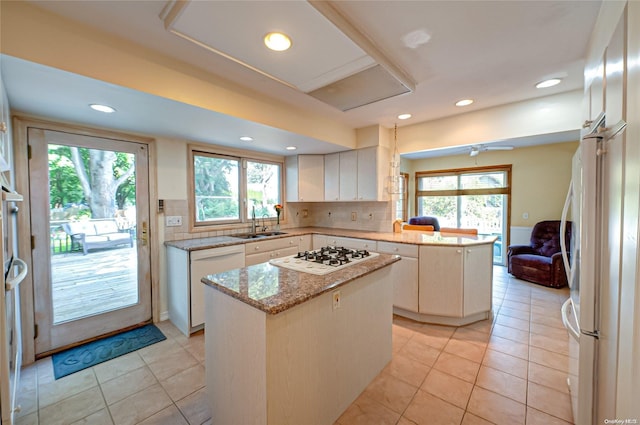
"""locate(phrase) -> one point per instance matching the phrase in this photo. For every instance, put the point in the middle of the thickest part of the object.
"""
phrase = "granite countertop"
(407, 237)
(273, 289)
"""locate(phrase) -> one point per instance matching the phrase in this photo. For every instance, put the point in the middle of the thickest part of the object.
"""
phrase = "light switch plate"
(173, 220)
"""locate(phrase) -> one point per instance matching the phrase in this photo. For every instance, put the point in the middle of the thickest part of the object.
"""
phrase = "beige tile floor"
(508, 370)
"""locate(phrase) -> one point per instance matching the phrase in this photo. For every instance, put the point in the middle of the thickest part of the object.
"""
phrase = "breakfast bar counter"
(288, 347)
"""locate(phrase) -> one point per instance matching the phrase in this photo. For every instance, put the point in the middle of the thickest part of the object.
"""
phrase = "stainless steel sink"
(257, 235)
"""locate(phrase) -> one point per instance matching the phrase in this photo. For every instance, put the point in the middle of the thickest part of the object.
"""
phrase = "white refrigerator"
(592, 263)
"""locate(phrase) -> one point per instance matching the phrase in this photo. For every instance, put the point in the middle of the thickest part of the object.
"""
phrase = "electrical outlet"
(305, 213)
(336, 300)
(370, 216)
(354, 216)
(173, 220)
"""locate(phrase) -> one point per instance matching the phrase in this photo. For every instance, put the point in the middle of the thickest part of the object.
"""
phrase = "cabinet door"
(478, 274)
(440, 276)
(332, 177)
(318, 241)
(206, 262)
(404, 275)
(178, 288)
(367, 174)
(349, 175)
(310, 178)
(304, 243)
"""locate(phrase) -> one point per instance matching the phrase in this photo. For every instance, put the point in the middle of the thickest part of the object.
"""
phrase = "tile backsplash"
(368, 216)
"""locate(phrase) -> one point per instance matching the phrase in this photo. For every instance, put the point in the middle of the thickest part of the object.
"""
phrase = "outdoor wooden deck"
(84, 285)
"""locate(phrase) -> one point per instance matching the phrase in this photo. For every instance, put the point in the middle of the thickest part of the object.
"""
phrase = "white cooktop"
(299, 263)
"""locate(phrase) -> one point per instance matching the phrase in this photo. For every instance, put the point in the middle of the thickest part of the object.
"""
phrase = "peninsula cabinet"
(305, 178)
(404, 274)
(455, 282)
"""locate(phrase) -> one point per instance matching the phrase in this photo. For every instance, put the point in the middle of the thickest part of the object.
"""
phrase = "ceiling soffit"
(330, 59)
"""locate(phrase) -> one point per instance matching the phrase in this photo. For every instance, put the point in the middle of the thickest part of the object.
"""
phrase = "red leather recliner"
(541, 261)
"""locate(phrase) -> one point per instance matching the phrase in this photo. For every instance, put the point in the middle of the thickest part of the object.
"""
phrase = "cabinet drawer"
(263, 257)
(352, 243)
(268, 245)
(403, 249)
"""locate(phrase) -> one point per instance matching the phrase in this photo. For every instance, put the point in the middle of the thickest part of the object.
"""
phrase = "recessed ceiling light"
(404, 116)
(548, 83)
(291, 148)
(246, 139)
(464, 102)
(277, 41)
(102, 108)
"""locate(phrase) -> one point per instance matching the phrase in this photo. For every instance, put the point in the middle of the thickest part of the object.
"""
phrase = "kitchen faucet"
(264, 228)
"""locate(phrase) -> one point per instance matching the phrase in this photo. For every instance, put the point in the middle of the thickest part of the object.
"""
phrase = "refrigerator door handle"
(565, 320)
(569, 271)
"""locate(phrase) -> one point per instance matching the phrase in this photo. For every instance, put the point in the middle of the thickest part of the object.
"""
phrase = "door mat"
(90, 354)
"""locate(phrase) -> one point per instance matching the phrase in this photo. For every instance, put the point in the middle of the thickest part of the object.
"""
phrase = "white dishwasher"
(210, 261)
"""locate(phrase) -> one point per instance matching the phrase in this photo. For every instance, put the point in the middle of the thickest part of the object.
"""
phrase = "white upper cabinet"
(349, 176)
(305, 178)
(368, 175)
(332, 177)
(355, 175)
(362, 175)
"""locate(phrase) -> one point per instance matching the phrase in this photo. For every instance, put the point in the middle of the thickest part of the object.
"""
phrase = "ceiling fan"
(476, 149)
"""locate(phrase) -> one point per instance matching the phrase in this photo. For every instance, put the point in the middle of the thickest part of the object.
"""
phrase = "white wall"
(544, 115)
(539, 181)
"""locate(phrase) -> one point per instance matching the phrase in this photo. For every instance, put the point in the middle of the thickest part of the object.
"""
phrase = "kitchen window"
(230, 189)
(471, 198)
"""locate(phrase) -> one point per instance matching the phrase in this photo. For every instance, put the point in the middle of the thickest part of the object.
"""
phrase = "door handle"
(144, 237)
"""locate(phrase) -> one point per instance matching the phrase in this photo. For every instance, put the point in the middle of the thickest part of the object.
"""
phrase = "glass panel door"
(91, 258)
(476, 199)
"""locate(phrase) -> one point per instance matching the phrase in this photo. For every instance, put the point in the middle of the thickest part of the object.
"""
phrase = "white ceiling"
(491, 51)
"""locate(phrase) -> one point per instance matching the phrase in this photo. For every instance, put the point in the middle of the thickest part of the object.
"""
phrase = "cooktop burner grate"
(323, 260)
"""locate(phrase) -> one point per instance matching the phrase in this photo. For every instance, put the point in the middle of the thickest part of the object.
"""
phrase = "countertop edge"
(221, 241)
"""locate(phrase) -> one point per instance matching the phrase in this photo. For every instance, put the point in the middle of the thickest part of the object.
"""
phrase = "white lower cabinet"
(185, 290)
(263, 251)
(304, 242)
(455, 281)
(404, 274)
(318, 241)
(352, 243)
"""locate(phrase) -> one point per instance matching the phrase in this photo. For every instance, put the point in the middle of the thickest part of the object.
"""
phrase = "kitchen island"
(288, 347)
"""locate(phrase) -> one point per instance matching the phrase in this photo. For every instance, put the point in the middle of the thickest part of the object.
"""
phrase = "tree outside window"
(222, 184)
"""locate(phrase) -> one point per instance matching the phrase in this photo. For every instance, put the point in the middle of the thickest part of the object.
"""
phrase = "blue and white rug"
(95, 352)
